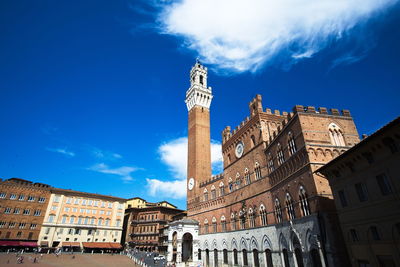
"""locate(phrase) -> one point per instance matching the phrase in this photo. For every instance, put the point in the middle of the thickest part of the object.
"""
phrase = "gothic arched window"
(205, 194)
(271, 166)
(257, 171)
(263, 215)
(252, 220)
(213, 192)
(336, 135)
(221, 189)
(291, 144)
(305, 207)
(214, 224)
(289, 207)
(206, 226)
(233, 221)
(223, 223)
(278, 211)
(281, 156)
(247, 176)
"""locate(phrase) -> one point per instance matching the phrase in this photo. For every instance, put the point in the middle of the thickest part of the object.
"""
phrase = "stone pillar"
(179, 251)
(321, 254)
(170, 251)
(196, 246)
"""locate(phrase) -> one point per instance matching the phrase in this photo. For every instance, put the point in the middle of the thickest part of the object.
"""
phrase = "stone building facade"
(268, 207)
(78, 220)
(144, 224)
(366, 187)
(23, 205)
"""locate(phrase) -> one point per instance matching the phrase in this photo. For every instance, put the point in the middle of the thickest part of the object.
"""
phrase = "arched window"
(107, 222)
(289, 207)
(79, 220)
(64, 219)
(242, 220)
(271, 166)
(291, 144)
(336, 135)
(263, 215)
(255, 258)
(230, 182)
(225, 255)
(238, 181)
(244, 253)
(235, 256)
(72, 219)
(252, 220)
(214, 225)
(213, 192)
(205, 194)
(305, 208)
(206, 226)
(221, 189)
(278, 211)
(201, 79)
(281, 157)
(253, 141)
(268, 258)
(223, 223)
(246, 176)
(86, 220)
(233, 221)
(257, 171)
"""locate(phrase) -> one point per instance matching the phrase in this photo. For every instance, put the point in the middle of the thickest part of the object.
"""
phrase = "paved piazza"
(66, 260)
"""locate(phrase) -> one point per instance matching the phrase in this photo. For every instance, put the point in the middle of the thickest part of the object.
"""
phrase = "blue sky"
(92, 92)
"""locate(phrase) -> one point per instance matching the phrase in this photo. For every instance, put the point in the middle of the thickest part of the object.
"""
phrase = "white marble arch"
(182, 227)
(267, 244)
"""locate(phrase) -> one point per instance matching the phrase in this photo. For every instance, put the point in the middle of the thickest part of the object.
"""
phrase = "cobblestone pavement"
(68, 260)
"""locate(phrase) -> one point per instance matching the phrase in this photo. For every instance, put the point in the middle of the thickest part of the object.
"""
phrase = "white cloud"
(63, 151)
(239, 35)
(174, 155)
(124, 172)
(174, 189)
(103, 154)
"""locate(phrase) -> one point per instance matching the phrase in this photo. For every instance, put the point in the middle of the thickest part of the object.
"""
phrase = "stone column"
(170, 251)
(179, 251)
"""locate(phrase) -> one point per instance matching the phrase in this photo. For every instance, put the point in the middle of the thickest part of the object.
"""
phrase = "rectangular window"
(13, 196)
(16, 211)
(19, 234)
(51, 218)
(109, 205)
(42, 199)
(361, 192)
(22, 225)
(31, 198)
(11, 224)
(3, 195)
(354, 235)
(90, 202)
(56, 199)
(7, 210)
(384, 184)
(66, 209)
(342, 197)
(76, 201)
(33, 225)
(54, 208)
(75, 210)
(375, 233)
(71, 220)
(2, 224)
(84, 202)
(70, 231)
(21, 197)
(37, 213)
(77, 231)
(27, 211)
(69, 200)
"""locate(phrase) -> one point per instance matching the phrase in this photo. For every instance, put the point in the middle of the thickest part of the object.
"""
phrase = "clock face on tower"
(191, 183)
(239, 149)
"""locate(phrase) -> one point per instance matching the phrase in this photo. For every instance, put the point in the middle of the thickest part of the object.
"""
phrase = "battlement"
(321, 110)
(307, 109)
(212, 180)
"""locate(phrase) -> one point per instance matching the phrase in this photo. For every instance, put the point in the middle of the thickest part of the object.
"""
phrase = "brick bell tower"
(198, 101)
